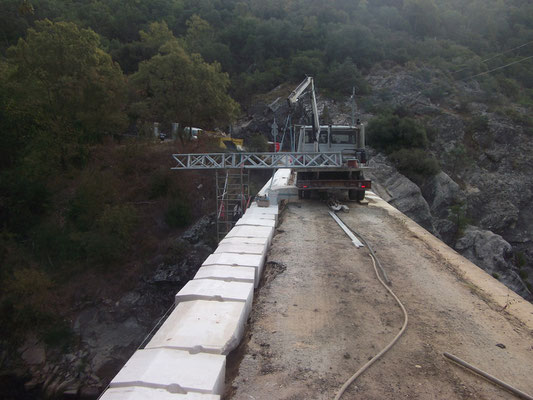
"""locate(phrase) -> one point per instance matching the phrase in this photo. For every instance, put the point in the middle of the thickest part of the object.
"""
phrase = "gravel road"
(321, 313)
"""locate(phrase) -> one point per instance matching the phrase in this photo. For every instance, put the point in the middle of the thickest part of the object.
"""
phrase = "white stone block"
(237, 260)
(252, 231)
(256, 213)
(246, 240)
(174, 370)
(272, 209)
(143, 393)
(227, 273)
(249, 220)
(217, 290)
(241, 248)
(202, 327)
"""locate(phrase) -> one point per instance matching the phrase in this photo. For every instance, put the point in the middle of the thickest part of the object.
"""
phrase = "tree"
(61, 74)
(175, 86)
(422, 15)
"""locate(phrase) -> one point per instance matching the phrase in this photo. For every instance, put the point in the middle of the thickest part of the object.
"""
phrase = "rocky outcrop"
(492, 253)
(400, 191)
(486, 150)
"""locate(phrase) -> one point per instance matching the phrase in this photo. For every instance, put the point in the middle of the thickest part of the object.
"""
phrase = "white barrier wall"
(186, 357)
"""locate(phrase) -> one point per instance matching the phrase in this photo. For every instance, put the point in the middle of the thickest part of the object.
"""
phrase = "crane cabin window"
(343, 137)
(323, 138)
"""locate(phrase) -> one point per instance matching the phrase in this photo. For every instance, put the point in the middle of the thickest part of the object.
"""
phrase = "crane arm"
(295, 95)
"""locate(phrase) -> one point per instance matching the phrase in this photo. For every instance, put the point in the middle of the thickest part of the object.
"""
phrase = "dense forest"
(76, 76)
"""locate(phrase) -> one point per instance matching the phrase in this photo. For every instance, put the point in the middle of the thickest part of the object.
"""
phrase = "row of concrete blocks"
(186, 357)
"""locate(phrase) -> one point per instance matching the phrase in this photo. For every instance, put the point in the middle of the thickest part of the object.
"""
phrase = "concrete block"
(143, 393)
(246, 240)
(202, 327)
(174, 370)
(241, 248)
(217, 290)
(238, 260)
(273, 209)
(227, 273)
(250, 220)
(256, 213)
(252, 231)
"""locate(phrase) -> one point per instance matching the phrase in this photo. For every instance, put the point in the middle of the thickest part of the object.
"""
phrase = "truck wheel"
(356, 195)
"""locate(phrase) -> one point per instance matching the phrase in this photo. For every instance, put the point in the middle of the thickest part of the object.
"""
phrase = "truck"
(349, 140)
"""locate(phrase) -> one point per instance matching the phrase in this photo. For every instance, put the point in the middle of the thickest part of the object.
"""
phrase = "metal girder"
(257, 160)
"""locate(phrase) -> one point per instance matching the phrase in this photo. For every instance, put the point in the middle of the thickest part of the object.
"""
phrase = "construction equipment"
(348, 140)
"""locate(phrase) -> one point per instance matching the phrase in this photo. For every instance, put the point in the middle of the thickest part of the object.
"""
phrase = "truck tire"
(356, 195)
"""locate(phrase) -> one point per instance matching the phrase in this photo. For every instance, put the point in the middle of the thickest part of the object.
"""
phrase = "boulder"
(494, 255)
(403, 193)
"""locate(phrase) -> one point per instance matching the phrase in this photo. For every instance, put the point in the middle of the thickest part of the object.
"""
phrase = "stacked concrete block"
(245, 241)
(227, 273)
(202, 326)
(238, 260)
(185, 359)
(217, 291)
(143, 393)
(255, 221)
(246, 231)
(175, 371)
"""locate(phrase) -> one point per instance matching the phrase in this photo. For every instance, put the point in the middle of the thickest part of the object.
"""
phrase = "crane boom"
(294, 97)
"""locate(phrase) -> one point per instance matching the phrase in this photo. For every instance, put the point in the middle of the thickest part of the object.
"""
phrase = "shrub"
(390, 133)
(160, 184)
(479, 123)
(416, 164)
(178, 214)
(257, 143)
(457, 215)
(496, 275)
(119, 221)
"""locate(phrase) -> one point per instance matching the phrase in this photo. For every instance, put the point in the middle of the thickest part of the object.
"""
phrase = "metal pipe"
(491, 378)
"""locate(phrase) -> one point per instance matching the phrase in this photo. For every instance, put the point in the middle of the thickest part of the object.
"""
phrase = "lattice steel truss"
(257, 160)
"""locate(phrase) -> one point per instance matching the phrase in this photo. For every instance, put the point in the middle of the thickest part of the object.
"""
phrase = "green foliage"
(89, 200)
(177, 87)
(457, 215)
(62, 74)
(496, 275)
(390, 133)
(256, 143)
(458, 158)
(178, 214)
(342, 77)
(416, 164)
(478, 123)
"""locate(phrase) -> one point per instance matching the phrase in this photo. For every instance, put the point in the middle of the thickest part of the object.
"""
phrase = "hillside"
(90, 211)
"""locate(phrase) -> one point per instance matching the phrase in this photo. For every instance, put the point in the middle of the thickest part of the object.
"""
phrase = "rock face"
(487, 159)
(403, 194)
(495, 255)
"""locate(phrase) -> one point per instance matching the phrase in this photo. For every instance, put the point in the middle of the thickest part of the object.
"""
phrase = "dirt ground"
(321, 313)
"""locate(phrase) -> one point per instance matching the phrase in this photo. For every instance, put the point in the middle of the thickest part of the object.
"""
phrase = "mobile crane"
(349, 140)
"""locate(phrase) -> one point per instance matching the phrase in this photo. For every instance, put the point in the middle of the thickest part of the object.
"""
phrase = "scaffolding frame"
(233, 197)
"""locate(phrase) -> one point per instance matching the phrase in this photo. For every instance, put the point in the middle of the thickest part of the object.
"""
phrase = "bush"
(416, 164)
(390, 133)
(178, 214)
(257, 143)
